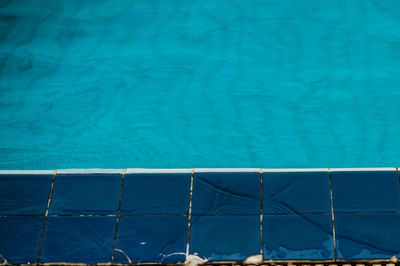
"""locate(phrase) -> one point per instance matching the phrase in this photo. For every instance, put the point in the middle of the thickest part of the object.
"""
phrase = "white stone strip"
(197, 170)
(26, 172)
(378, 169)
(157, 171)
(226, 170)
(294, 170)
(89, 171)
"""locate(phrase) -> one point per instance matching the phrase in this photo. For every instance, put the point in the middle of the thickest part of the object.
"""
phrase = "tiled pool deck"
(161, 216)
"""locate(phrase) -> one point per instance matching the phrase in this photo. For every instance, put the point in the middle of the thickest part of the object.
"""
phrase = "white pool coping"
(187, 170)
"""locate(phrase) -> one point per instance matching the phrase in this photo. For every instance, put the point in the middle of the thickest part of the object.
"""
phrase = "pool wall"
(138, 215)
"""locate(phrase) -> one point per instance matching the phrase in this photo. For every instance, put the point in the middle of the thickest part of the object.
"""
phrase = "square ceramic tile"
(225, 238)
(298, 237)
(86, 194)
(156, 194)
(77, 239)
(296, 192)
(367, 236)
(366, 191)
(20, 238)
(24, 194)
(227, 193)
(152, 239)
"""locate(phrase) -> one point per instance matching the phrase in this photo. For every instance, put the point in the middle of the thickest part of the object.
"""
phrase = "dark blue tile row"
(225, 222)
(213, 193)
(24, 194)
(89, 239)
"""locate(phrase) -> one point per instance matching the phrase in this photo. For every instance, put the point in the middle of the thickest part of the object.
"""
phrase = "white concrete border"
(89, 171)
(363, 169)
(157, 171)
(188, 170)
(226, 170)
(294, 170)
(26, 172)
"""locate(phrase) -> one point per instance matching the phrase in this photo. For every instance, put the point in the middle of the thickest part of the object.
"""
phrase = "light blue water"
(209, 83)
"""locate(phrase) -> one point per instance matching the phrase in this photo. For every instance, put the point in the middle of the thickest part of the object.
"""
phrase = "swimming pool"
(172, 84)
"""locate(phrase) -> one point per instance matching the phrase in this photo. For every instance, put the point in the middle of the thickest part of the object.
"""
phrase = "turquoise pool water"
(164, 84)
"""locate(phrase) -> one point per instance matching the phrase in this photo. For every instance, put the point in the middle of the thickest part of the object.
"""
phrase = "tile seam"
(46, 215)
(398, 174)
(190, 213)
(332, 216)
(118, 214)
(261, 214)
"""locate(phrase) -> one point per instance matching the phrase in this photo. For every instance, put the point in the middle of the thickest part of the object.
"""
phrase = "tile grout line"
(333, 216)
(398, 174)
(46, 215)
(261, 214)
(190, 213)
(118, 216)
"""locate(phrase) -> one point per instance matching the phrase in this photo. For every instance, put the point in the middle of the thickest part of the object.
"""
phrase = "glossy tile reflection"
(20, 238)
(296, 192)
(226, 193)
(225, 238)
(298, 237)
(75, 239)
(86, 194)
(152, 239)
(367, 236)
(156, 194)
(24, 194)
(366, 191)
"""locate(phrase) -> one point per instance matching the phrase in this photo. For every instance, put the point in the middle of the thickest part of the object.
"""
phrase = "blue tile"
(226, 193)
(366, 191)
(20, 238)
(296, 192)
(225, 238)
(24, 194)
(86, 194)
(77, 239)
(156, 194)
(367, 236)
(152, 239)
(298, 237)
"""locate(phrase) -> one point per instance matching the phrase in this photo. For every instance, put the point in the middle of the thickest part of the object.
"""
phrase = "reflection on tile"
(24, 194)
(76, 239)
(297, 237)
(152, 239)
(367, 236)
(226, 193)
(20, 238)
(156, 194)
(366, 191)
(86, 194)
(225, 238)
(296, 192)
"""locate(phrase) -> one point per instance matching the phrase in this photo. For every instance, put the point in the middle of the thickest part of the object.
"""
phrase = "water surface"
(212, 83)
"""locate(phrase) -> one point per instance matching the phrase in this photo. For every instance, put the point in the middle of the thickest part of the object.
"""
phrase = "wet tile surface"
(366, 191)
(24, 194)
(302, 192)
(152, 239)
(225, 238)
(20, 238)
(367, 236)
(298, 237)
(226, 193)
(86, 194)
(156, 194)
(77, 239)
(221, 228)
